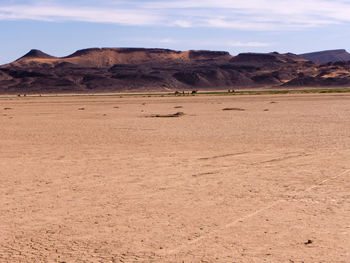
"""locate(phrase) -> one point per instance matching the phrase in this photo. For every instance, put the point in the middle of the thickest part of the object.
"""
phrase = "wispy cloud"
(258, 15)
(202, 43)
(167, 41)
(248, 44)
(85, 14)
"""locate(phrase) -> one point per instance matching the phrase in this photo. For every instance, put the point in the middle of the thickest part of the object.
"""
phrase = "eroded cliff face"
(139, 69)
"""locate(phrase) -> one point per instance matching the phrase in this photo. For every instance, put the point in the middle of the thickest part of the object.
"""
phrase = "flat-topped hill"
(338, 55)
(107, 57)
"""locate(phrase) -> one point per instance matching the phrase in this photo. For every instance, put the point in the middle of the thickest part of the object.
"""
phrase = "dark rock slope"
(139, 70)
(338, 55)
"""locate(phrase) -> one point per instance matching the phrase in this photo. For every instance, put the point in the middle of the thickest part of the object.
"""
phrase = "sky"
(60, 27)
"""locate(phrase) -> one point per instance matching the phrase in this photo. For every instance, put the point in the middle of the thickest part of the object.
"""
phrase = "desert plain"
(101, 179)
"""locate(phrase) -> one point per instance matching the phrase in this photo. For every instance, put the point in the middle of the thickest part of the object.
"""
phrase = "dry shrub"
(236, 109)
(177, 114)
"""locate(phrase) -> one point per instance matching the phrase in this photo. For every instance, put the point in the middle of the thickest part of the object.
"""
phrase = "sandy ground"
(108, 184)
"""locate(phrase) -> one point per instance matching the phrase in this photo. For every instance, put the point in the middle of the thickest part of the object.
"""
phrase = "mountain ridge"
(143, 69)
(107, 57)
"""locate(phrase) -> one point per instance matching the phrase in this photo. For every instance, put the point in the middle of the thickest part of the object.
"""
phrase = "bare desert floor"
(96, 179)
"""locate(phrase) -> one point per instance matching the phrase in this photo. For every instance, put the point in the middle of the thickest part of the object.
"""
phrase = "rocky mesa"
(139, 69)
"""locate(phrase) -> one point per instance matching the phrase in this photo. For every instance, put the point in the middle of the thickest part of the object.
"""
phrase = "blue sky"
(60, 27)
